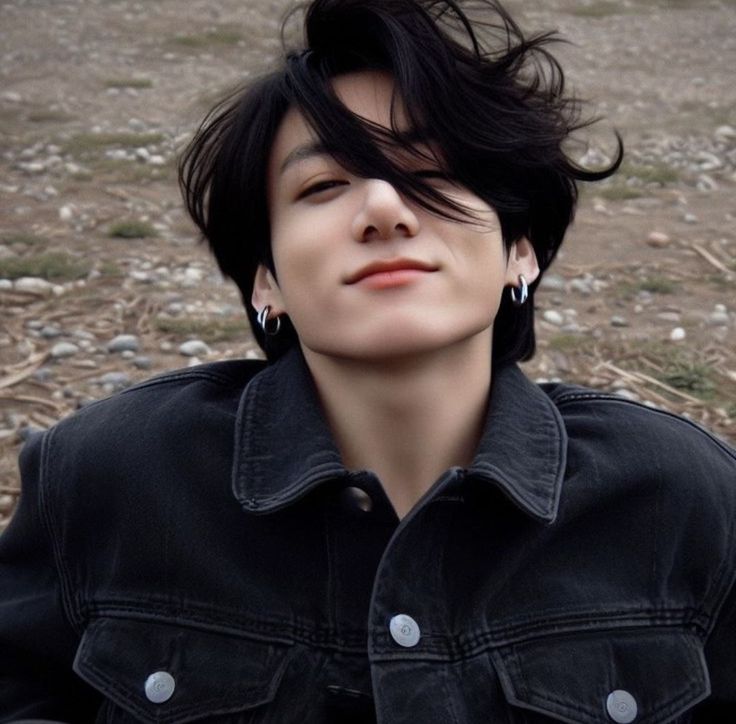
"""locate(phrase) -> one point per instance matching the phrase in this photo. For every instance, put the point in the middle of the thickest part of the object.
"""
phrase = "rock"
(719, 317)
(66, 212)
(553, 317)
(50, 331)
(706, 183)
(627, 394)
(669, 316)
(64, 349)
(678, 334)
(550, 281)
(658, 239)
(142, 154)
(690, 219)
(618, 321)
(123, 343)
(114, 381)
(5, 285)
(33, 285)
(156, 160)
(143, 363)
(11, 96)
(725, 133)
(194, 348)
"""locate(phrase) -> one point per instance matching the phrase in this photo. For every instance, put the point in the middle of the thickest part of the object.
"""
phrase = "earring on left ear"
(263, 321)
(519, 294)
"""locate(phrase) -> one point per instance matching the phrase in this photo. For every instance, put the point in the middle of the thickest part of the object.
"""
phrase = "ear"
(522, 260)
(266, 292)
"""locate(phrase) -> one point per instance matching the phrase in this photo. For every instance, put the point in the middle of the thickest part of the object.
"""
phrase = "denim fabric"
(202, 524)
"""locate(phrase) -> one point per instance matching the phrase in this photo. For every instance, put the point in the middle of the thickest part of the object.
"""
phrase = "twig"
(712, 260)
(35, 362)
(651, 380)
(35, 400)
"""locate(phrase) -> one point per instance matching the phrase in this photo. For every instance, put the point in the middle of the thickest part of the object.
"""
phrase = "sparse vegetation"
(132, 230)
(137, 83)
(23, 239)
(54, 266)
(86, 143)
(208, 330)
(655, 173)
(655, 284)
(214, 36)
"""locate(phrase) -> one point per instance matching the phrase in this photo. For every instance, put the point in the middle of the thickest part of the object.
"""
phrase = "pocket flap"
(165, 673)
(643, 675)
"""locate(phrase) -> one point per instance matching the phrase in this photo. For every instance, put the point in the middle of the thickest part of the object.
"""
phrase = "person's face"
(362, 272)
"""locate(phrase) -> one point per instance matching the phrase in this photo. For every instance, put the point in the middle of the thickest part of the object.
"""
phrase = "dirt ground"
(98, 96)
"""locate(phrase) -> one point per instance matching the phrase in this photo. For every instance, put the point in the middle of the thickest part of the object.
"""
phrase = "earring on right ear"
(263, 321)
(520, 293)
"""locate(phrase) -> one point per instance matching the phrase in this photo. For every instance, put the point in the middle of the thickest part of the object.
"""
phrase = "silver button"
(160, 687)
(621, 707)
(404, 630)
(359, 498)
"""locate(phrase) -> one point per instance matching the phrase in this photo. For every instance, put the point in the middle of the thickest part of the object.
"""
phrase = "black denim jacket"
(190, 551)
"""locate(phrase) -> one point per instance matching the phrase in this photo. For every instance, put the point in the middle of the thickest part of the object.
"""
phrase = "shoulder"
(172, 417)
(639, 434)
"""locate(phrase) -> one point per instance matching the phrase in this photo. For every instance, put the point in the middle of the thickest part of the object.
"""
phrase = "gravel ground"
(102, 282)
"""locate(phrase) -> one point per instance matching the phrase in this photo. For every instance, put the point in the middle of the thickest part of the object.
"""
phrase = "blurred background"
(103, 281)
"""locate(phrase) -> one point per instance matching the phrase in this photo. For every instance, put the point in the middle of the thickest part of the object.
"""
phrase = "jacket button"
(621, 707)
(160, 687)
(404, 630)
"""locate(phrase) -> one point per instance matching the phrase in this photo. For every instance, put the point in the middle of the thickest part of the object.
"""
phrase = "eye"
(320, 186)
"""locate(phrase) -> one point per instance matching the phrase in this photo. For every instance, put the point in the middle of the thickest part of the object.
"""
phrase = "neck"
(410, 419)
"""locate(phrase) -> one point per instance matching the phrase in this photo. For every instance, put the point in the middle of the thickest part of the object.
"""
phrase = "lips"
(389, 265)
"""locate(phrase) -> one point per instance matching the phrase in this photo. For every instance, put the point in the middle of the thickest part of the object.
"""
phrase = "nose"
(384, 214)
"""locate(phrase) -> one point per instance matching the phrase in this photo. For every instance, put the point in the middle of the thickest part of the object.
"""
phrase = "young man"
(388, 522)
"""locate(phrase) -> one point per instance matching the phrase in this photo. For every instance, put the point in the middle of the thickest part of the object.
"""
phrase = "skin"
(401, 359)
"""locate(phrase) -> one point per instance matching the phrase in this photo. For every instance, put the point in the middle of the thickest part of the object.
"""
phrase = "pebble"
(669, 316)
(658, 239)
(113, 381)
(5, 285)
(553, 317)
(551, 281)
(123, 343)
(706, 183)
(627, 394)
(50, 331)
(725, 133)
(690, 219)
(719, 317)
(143, 363)
(66, 212)
(678, 334)
(33, 285)
(618, 321)
(64, 349)
(194, 348)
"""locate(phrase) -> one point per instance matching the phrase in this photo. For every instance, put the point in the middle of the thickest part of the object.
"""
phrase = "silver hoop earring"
(263, 322)
(519, 294)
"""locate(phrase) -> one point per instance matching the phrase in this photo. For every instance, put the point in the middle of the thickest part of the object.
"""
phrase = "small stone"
(5, 285)
(156, 160)
(658, 239)
(690, 219)
(618, 321)
(64, 349)
(581, 286)
(50, 331)
(11, 96)
(719, 318)
(142, 154)
(550, 281)
(725, 133)
(194, 348)
(669, 316)
(123, 343)
(114, 381)
(627, 394)
(33, 285)
(678, 334)
(553, 317)
(706, 183)
(66, 212)
(142, 363)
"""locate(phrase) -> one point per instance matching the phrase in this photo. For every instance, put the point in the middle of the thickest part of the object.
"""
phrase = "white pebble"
(678, 334)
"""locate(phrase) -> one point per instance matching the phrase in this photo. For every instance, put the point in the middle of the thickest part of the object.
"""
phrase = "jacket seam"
(74, 620)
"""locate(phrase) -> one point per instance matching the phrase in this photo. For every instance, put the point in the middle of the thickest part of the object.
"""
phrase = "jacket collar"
(284, 448)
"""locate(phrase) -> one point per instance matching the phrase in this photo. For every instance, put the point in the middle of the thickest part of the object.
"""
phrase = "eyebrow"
(303, 152)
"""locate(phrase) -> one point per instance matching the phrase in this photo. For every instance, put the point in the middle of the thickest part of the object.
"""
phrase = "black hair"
(489, 98)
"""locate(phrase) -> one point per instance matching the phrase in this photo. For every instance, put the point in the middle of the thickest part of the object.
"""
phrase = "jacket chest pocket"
(643, 676)
(165, 674)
